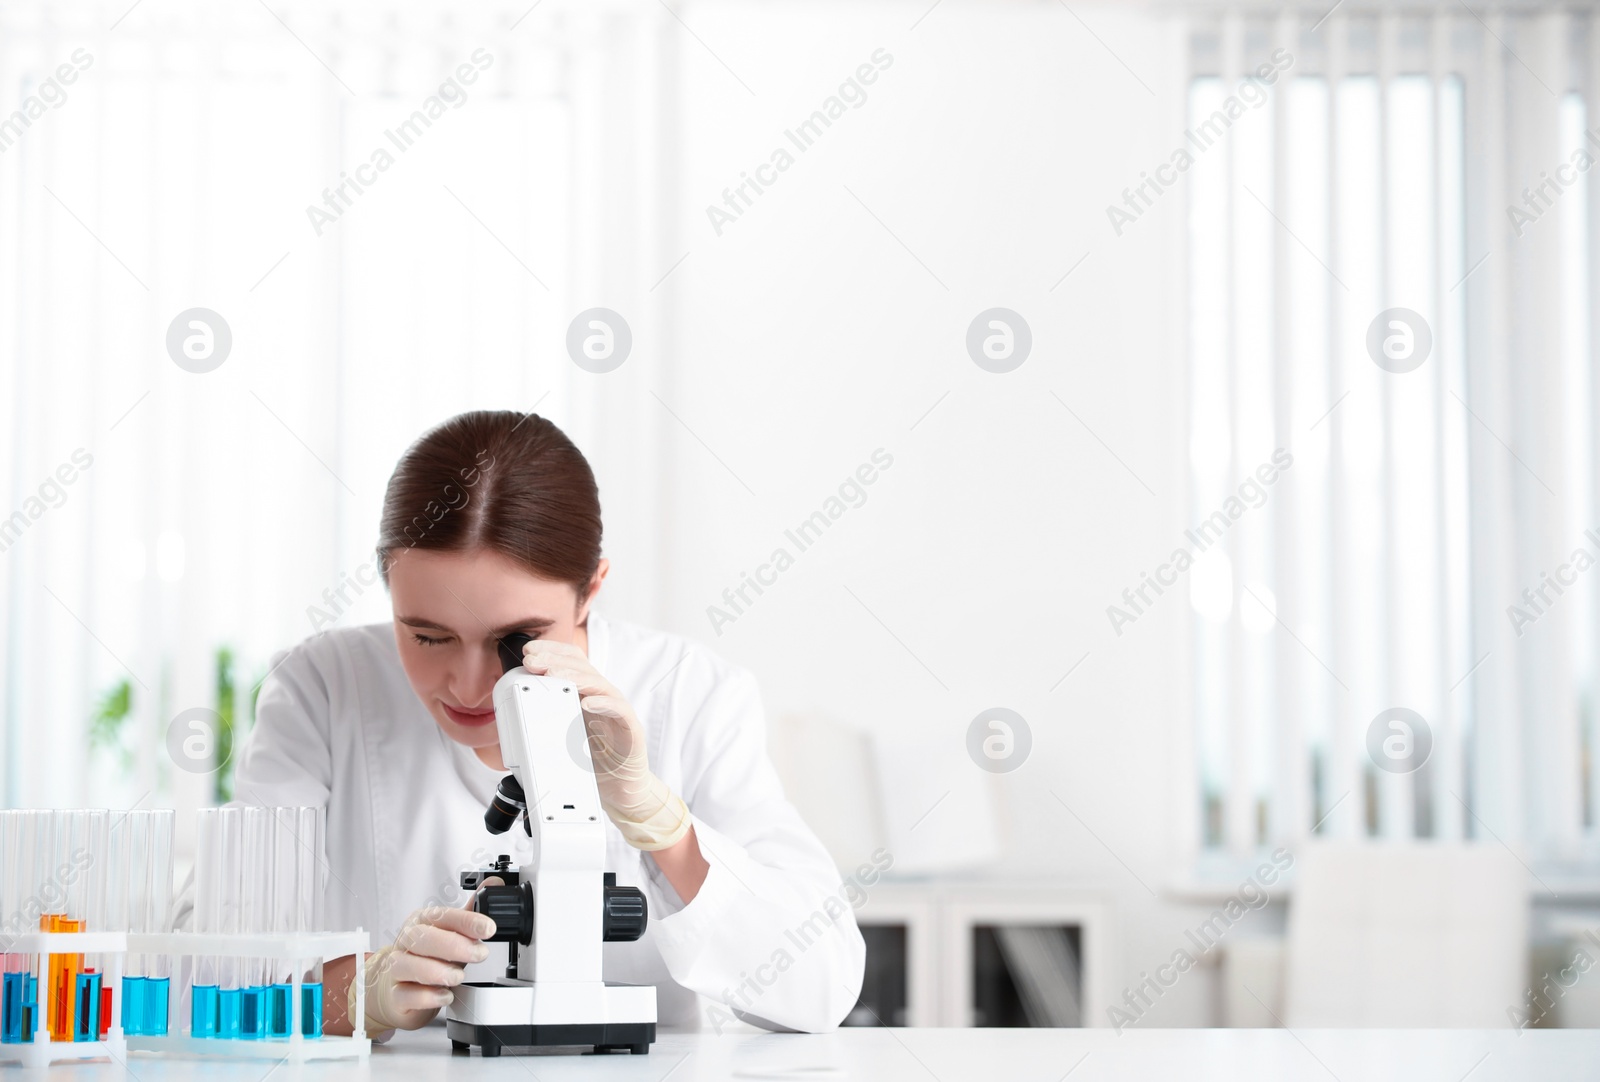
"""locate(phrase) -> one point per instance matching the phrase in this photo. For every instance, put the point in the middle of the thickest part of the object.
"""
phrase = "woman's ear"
(600, 572)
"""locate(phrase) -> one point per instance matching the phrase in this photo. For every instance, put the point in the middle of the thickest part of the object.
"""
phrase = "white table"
(953, 1055)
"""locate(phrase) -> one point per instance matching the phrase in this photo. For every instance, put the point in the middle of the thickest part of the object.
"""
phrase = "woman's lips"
(469, 718)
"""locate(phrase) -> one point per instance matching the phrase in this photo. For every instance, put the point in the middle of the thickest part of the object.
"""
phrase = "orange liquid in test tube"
(63, 979)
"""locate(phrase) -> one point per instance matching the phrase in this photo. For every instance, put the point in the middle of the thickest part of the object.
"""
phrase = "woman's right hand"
(409, 980)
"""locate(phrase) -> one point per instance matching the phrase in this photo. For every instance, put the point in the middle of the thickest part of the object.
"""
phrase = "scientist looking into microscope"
(491, 525)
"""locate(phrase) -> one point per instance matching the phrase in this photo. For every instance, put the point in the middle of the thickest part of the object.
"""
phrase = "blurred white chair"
(1251, 976)
(1388, 934)
(826, 767)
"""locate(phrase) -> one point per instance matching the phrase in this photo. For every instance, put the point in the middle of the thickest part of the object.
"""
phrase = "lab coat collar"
(599, 643)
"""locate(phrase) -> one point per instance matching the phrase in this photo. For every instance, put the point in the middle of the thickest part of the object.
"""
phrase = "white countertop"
(952, 1055)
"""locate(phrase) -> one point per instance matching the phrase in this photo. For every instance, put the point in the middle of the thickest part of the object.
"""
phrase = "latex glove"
(409, 980)
(648, 813)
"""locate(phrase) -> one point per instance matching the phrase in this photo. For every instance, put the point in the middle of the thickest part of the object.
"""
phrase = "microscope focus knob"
(511, 909)
(625, 912)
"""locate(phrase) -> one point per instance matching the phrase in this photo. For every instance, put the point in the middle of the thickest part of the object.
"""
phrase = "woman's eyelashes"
(424, 640)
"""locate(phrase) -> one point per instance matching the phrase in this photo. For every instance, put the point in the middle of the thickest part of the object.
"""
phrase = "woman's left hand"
(649, 814)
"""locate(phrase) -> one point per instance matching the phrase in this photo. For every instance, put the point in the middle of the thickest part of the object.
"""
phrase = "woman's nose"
(481, 672)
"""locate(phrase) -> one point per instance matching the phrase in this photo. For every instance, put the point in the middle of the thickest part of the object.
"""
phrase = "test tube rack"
(295, 1048)
(42, 1050)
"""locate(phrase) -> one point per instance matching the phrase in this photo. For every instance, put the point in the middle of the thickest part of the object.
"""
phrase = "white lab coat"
(770, 938)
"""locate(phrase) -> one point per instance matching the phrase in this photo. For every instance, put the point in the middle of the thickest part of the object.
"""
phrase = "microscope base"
(524, 1014)
(635, 1037)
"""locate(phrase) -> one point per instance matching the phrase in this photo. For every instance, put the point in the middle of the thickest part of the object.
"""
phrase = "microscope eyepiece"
(510, 649)
(509, 802)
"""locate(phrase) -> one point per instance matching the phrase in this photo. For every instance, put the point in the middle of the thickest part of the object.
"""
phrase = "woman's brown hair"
(509, 482)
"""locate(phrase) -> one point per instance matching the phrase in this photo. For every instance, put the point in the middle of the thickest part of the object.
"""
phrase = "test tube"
(285, 865)
(93, 865)
(62, 893)
(9, 844)
(157, 918)
(15, 972)
(45, 905)
(230, 899)
(118, 909)
(308, 888)
(203, 1018)
(22, 1001)
(135, 840)
(255, 917)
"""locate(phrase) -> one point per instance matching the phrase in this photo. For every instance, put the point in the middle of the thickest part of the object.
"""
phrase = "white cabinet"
(992, 954)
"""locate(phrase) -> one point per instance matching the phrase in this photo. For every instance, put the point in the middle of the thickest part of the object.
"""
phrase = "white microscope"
(552, 993)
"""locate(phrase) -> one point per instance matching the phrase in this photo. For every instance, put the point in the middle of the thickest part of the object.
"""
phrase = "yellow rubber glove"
(648, 813)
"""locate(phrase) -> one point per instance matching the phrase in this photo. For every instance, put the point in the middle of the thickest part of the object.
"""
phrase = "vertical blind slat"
(1394, 789)
(1188, 792)
(1291, 778)
(1345, 798)
(1557, 768)
(1497, 759)
(1446, 755)
(1591, 117)
(1240, 830)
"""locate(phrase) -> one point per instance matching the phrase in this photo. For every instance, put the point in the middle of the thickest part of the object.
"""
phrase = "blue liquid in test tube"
(86, 1011)
(279, 1018)
(228, 1007)
(133, 989)
(17, 1005)
(203, 1011)
(155, 1006)
(252, 1013)
(311, 1010)
(11, 986)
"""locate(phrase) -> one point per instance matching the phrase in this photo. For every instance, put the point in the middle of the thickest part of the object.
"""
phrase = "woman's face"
(451, 609)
